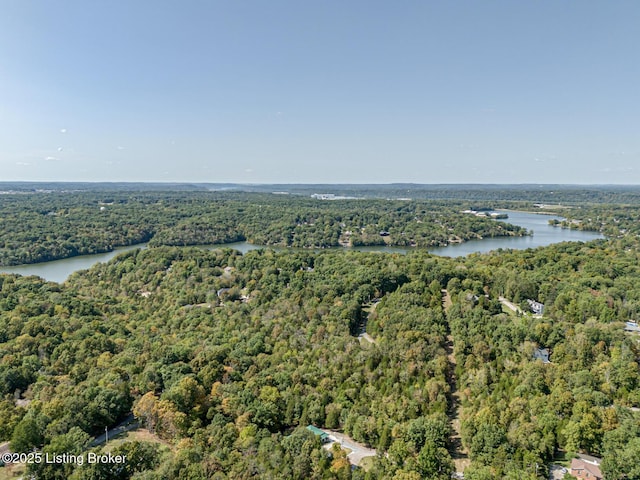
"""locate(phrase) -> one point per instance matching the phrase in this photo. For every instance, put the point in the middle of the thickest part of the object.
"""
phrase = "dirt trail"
(458, 453)
(446, 299)
(363, 335)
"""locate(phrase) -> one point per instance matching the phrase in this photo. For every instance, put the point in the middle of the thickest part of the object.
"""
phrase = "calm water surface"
(544, 234)
(59, 270)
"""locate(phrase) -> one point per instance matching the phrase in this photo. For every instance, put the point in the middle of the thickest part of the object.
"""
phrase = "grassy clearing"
(138, 435)
(366, 463)
(510, 312)
(11, 472)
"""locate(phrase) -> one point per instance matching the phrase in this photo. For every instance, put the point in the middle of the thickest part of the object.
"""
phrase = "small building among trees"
(324, 436)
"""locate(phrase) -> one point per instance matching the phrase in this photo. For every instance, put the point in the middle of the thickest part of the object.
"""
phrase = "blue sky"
(313, 92)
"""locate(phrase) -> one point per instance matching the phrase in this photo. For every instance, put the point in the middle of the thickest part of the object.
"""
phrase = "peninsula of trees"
(52, 225)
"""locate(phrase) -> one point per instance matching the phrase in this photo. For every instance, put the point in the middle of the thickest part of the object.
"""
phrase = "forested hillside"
(225, 359)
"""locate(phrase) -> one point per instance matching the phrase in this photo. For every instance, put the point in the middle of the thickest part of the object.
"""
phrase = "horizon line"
(152, 182)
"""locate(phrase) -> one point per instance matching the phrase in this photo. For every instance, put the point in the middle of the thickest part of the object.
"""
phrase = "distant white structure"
(487, 214)
(330, 196)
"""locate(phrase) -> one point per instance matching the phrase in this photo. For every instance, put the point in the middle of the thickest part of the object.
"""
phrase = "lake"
(59, 270)
(544, 234)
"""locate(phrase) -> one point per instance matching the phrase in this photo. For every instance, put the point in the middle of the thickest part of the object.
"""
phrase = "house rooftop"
(631, 327)
(542, 354)
(585, 469)
(589, 459)
(319, 433)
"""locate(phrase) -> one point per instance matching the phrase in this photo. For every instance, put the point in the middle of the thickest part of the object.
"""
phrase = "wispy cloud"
(63, 130)
(545, 158)
(617, 169)
(51, 159)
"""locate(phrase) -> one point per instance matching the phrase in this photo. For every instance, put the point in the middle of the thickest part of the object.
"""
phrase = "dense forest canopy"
(226, 358)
